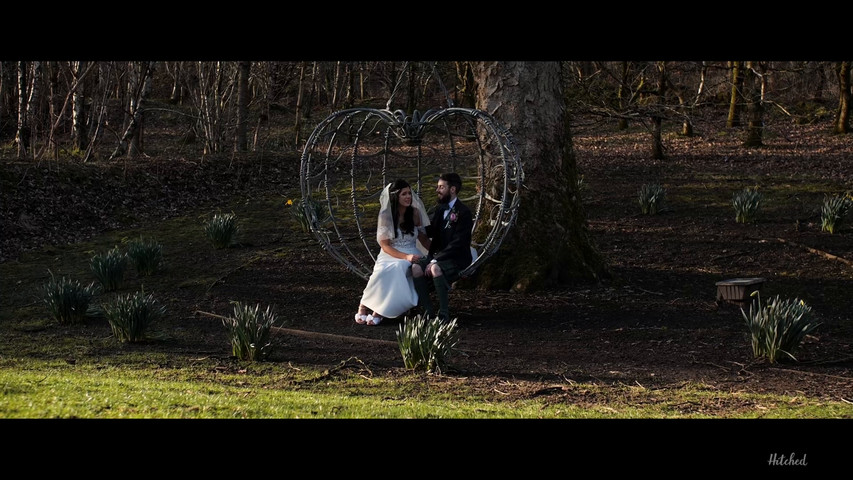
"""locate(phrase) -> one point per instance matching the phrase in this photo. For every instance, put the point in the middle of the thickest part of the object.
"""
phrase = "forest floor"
(656, 323)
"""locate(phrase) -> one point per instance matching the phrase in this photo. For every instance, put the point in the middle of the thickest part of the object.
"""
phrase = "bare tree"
(754, 91)
(622, 93)
(551, 242)
(350, 85)
(244, 69)
(79, 133)
(658, 113)
(686, 104)
(213, 95)
(842, 115)
(34, 101)
(8, 76)
(175, 70)
(466, 94)
(733, 120)
(299, 96)
(22, 135)
(139, 87)
(315, 72)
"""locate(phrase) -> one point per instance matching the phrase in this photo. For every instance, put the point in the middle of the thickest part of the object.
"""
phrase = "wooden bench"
(738, 290)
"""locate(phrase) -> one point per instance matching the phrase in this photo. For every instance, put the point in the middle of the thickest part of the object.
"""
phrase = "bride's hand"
(412, 258)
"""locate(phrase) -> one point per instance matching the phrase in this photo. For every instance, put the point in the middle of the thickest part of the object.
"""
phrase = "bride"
(390, 291)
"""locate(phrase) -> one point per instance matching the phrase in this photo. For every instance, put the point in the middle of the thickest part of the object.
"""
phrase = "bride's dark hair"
(408, 225)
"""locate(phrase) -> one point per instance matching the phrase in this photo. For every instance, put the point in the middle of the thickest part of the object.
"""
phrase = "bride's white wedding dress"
(390, 291)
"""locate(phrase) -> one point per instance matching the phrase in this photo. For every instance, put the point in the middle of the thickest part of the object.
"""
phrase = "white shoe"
(360, 318)
(373, 319)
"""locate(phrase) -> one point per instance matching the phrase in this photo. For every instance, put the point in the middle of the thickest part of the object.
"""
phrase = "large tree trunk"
(550, 243)
(842, 117)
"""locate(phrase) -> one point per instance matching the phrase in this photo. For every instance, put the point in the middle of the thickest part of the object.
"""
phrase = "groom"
(449, 247)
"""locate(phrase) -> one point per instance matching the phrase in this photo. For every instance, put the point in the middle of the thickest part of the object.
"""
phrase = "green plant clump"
(426, 343)
(834, 210)
(146, 255)
(222, 229)
(68, 301)
(308, 211)
(249, 330)
(746, 202)
(131, 315)
(581, 184)
(777, 328)
(651, 198)
(109, 269)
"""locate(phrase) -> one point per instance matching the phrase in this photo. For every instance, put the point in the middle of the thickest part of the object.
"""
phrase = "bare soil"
(656, 322)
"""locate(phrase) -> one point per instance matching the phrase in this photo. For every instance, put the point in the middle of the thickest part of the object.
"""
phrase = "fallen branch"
(721, 257)
(815, 374)
(331, 336)
(818, 252)
(215, 282)
(314, 335)
(649, 291)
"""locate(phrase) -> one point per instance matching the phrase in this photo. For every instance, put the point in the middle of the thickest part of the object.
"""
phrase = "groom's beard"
(444, 199)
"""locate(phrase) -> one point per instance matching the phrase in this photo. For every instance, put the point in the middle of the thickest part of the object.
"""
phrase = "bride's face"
(405, 197)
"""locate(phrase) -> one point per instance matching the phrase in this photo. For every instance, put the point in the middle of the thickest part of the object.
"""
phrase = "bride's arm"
(387, 248)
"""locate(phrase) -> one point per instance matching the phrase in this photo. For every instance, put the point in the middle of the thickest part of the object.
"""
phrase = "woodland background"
(104, 111)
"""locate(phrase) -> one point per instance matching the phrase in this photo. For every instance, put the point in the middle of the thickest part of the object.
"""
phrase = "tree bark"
(53, 99)
(733, 119)
(622, 93)
(657, 115)
(33, 104)
(7, 89)
(79, 134)
(298, 122)
(315, 71)
(465, 94)
(177, 95)
(411, 100)
(842, 116)
(242, 105)
(755, 126)
(22, 135)
(550, 243)
(131, 141)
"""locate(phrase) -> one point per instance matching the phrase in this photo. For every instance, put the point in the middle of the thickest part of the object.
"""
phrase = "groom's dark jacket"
(451, 239)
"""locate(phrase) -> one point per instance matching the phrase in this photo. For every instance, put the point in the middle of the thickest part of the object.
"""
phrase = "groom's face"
(443, 191)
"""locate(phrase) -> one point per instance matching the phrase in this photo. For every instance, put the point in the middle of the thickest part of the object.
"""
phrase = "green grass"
(54, 389)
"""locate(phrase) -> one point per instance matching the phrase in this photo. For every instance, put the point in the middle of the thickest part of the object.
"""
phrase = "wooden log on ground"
(818, 252)
(314, 335)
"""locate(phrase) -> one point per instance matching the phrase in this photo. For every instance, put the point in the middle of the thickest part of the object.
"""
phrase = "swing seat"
(352, 154)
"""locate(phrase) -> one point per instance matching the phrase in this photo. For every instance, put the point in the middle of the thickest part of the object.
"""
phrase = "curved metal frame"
(372, 144)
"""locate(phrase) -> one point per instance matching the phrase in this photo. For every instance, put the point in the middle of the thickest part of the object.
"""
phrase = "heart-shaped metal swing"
(352, 154)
